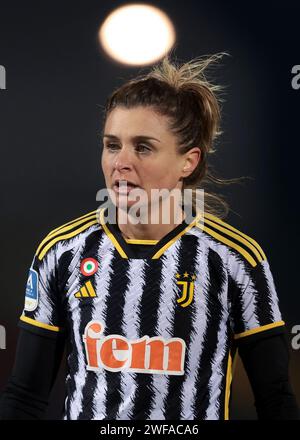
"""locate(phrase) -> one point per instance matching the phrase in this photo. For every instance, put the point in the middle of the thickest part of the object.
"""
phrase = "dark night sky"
(57, 80)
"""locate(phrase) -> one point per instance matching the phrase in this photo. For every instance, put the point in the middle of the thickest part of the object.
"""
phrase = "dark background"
(57, 80)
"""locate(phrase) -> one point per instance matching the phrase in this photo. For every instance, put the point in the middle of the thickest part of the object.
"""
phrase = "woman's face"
(139, 148)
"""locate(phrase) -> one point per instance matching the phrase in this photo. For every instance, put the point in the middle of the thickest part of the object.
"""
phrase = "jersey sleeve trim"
(259, 329)
(231, 364)
(228, 386)
(40, 324)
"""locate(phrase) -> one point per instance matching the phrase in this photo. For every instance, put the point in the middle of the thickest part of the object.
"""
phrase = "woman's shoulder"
(78, 228)
(224, 235)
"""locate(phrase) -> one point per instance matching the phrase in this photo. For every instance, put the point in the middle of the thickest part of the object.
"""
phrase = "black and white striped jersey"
(150, 336)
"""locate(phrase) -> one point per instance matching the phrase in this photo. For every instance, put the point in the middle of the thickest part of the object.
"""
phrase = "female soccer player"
(152, 312)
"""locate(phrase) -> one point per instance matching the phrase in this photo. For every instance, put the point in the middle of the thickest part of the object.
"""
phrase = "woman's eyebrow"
(134, 138)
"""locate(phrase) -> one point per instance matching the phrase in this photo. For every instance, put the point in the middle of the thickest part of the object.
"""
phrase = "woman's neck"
(149, 231)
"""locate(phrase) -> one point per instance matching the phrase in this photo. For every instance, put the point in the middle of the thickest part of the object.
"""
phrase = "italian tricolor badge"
(88, 266)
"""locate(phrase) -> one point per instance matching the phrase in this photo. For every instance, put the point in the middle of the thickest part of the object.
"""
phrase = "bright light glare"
(137, 34)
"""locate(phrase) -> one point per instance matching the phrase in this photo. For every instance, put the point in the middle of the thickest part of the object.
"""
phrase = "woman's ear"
(192, 159)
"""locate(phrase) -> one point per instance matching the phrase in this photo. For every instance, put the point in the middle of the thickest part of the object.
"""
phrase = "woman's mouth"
(124, 188)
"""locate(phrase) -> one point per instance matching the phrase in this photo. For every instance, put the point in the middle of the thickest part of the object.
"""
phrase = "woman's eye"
(112, 146)
(143, 148)
(140, 148)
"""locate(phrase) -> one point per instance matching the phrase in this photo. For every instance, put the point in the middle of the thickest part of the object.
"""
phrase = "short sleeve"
(43, 307)
(254, 304)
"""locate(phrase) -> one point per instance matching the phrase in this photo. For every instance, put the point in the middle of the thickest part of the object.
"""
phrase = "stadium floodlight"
(137, 34)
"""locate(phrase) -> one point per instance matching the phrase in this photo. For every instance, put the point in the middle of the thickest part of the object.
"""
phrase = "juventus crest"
(185, 283)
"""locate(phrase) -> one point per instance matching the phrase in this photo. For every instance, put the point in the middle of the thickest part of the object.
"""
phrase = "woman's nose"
(123, 159)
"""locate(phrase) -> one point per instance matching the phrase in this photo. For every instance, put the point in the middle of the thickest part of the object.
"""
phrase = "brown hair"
(192, 105)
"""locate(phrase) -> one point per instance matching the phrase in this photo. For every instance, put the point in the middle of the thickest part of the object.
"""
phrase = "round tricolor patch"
(88, 266)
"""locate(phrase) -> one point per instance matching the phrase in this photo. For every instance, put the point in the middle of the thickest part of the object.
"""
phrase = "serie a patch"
(32, 291)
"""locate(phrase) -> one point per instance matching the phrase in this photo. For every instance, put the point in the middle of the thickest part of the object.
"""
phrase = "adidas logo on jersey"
(86, 291)
(114, 353)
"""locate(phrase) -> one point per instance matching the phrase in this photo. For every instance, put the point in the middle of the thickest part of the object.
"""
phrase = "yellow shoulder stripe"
(73, 221)
(239, 234)
(236, 236)
(53, 240)
(40, 324)
(65, 228)
(229, 243)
